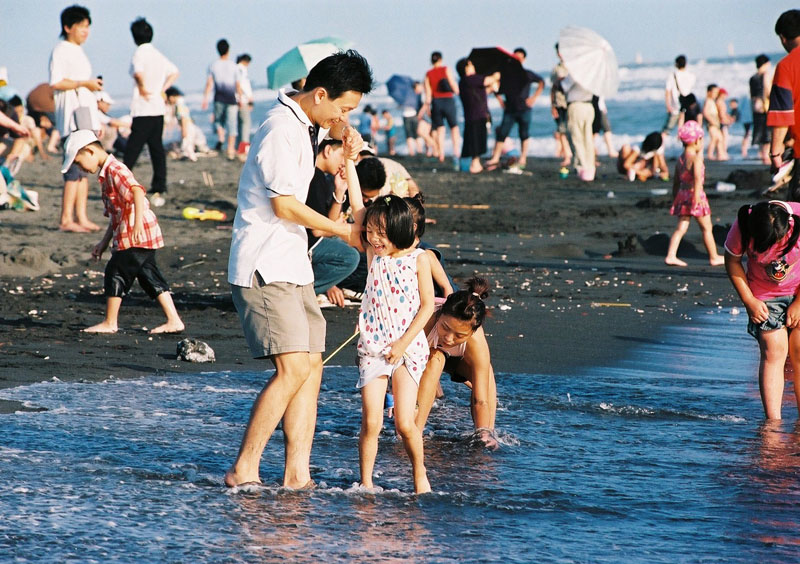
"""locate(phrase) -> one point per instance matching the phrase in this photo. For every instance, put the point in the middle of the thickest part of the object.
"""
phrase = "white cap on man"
(76, 141)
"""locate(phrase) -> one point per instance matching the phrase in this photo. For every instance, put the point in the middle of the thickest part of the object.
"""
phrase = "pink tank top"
(433, 337)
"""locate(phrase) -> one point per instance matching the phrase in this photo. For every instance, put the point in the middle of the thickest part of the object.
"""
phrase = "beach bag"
(688, 102)
(82, 116)
(444, 85)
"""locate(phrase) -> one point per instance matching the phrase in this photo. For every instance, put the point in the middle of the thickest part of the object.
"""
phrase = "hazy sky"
(395, 36)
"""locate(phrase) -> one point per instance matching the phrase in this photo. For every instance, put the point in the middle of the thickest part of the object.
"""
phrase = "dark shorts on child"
(134, 264)
(777, 316)
(410, 125)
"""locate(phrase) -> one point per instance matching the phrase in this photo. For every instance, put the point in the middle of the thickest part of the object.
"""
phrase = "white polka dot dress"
(390, 303)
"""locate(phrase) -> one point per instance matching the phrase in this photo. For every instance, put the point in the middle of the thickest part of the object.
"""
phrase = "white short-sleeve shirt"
(69, 61)
(680, 82)
(154, 68)
(280, 163)
(243, 78)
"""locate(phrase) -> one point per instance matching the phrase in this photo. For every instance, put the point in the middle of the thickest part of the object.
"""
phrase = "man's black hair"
(222, 47)
(680, 61)
(72, 15)
(172, 91)
(788, 24)
(142, 31)
(371, 174)
(15, 101)
(329, 142)
(521, 50)
(243, 57)
(461, 67)
(393, 214)
(339, 73)
(761, 59)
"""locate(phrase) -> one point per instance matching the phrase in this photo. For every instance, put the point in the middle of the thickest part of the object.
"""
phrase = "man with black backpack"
(678, 97)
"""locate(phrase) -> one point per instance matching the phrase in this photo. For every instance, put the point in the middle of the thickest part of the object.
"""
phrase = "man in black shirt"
(331, 258)
(516, 99)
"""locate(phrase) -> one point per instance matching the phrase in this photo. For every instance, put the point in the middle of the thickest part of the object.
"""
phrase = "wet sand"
(578, 277)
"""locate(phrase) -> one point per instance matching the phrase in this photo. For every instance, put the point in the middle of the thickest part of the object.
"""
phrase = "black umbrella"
(488, 60)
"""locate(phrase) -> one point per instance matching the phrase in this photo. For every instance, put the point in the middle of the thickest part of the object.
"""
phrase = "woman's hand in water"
(757, 311)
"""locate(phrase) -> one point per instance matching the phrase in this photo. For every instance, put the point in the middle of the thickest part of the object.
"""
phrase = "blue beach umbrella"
(401, 90)
(298, 61)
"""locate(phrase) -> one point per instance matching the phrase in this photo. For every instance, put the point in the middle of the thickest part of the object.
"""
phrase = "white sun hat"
(76, 141)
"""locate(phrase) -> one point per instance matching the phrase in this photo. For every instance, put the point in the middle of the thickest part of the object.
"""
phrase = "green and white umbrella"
(298, 61)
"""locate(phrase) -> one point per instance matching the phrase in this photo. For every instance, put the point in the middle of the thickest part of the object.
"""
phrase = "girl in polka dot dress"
(397, 303)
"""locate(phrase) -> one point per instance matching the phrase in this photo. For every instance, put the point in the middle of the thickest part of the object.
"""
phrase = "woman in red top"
(440, 91)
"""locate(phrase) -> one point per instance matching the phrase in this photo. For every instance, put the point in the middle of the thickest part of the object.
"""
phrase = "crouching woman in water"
(458, 345)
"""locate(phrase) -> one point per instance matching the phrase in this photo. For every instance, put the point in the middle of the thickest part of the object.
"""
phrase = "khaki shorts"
(279, 317)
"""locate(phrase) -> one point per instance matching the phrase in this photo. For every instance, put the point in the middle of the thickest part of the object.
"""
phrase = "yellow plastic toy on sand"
(203, 215)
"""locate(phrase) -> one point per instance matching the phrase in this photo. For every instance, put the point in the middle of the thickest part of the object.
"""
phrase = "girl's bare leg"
(675, 241)
(714, 258)
(405, 398)
(774, 346)
(372, 398)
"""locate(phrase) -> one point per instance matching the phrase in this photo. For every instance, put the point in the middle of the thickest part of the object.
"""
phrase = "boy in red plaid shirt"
(132, 226)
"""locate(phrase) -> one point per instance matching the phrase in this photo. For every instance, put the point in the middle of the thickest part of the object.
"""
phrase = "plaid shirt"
(117, 182)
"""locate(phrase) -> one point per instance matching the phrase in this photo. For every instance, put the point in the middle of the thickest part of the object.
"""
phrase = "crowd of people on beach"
(322, 220)
(312, 198)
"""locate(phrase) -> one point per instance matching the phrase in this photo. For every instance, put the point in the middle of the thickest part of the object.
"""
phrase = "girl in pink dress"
(690, 199)
(768, 234)
(397, 302)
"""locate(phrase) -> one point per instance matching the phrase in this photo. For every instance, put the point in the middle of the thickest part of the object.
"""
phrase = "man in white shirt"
(73, 87)
(153, 73)
(272, 282)
(678, 96)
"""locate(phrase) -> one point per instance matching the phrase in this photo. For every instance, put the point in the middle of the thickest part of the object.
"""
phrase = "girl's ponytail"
(743, 218)
(795, 226)
(468, 304)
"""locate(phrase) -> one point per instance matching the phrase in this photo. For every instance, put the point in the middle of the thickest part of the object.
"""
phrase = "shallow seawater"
(661, 458)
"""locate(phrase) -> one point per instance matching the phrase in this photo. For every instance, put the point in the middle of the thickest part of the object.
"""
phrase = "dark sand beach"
(577, 270)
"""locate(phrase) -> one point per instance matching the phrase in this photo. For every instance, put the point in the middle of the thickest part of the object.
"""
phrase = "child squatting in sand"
(132, 226)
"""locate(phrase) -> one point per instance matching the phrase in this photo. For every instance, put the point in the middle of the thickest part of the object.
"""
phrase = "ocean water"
(663, 457)
(636, 110)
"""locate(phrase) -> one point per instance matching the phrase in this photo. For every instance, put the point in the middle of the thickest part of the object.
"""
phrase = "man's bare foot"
(73, 227)
(175, 327)
(103, 327)
(89, 226)
(233, 479)
(716, 261)
(674, 262)
(422, 486)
